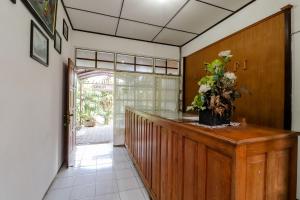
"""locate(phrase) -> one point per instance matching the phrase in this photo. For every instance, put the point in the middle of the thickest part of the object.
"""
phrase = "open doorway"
(94, 107)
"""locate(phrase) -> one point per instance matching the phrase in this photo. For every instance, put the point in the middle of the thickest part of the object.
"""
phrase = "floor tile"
(124, 173)
(115, 196)
(85, 179)
(132, 195)
(127, 184)
(106, 187)
(83, 192)
(59, 194)
(64, 182)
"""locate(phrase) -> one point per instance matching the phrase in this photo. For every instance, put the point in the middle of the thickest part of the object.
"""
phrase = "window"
(125, 63)
(160, 66)
(86, 58)
(128, 63)
(144, 64)
(172, 67)
(106, 60)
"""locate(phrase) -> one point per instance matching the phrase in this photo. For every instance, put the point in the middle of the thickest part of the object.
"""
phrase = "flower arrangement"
(217, 91)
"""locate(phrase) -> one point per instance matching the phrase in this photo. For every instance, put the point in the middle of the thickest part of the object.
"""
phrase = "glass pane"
(160, 62)
(125, 59)
(86, 54)
(125, 67)
(105, 65)
(144, 61)
(160, 70)
(173, 64)
(145, 69)
(172, 71)
(85, 63)
(106, 56)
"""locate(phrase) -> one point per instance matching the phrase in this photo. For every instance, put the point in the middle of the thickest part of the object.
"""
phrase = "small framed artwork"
(39, 45)
(57, 42)
(65, 30)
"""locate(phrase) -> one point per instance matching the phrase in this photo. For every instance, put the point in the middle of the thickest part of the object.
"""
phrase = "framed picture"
(65, 30)
(45, 12)
(39, 45)
(57, 42)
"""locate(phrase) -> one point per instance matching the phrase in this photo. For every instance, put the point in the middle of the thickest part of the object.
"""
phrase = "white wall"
(249, 15)
(31, 107)
(108, 43)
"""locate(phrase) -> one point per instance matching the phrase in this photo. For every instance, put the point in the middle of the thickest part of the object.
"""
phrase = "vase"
(207, 117)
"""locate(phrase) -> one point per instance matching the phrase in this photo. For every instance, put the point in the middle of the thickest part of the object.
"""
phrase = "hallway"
(101, 172)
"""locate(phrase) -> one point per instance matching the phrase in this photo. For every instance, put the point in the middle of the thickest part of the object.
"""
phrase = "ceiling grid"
(170, 22)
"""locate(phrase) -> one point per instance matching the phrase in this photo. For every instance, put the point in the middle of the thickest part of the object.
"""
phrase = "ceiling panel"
(93, 22)
(174, 37)
(229, 4)
(137, 30)
(157, 12)
(108, 7)
(196, 17)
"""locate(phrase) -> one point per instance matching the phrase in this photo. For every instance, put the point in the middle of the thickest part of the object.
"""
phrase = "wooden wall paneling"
(239, 170)
(149, 152)
(219, 175)
(262, 47)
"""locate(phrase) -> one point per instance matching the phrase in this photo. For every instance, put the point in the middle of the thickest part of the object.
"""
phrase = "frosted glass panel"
(160, 70)
(105, 65)
(173, 71)
(80, 53)
(85, 63)
(144, 61)
(125, 59)
(106, 56)
(144, 69)
(173, 64)
(160, 62)
(125, 67)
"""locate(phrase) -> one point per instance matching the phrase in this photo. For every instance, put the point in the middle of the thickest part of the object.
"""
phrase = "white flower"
(225, 54)
(230, 75)
(204, 88)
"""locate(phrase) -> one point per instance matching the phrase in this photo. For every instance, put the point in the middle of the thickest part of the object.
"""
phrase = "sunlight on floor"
(101, 172)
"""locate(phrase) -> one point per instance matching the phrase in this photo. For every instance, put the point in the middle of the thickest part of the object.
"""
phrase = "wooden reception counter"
(179, 160)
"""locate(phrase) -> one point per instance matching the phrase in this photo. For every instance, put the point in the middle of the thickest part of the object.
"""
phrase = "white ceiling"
(173, 22)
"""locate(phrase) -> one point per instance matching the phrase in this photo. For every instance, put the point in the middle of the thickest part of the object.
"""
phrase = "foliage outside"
(217, 90)
(94, 102)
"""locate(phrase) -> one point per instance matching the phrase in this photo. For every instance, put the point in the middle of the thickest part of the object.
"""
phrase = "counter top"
(242, 134)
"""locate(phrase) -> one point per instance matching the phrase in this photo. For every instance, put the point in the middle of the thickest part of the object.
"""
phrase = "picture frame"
(45, 12)
(39, 45)
(57, 42)
(65, 30)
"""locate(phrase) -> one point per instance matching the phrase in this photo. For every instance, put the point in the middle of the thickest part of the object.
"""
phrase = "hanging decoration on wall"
(39, 45)
(57, 42)
(65, 30)
(45, 12)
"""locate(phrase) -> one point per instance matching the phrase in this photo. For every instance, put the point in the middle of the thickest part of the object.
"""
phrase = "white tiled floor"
(102, 172)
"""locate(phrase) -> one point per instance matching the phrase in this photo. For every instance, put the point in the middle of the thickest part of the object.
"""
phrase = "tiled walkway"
(102, 172)
(94, 135)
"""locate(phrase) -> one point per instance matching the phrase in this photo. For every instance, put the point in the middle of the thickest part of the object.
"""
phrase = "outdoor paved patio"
(94, 135)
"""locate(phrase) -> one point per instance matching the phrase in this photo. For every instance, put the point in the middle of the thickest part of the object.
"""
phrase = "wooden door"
(70, 112)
